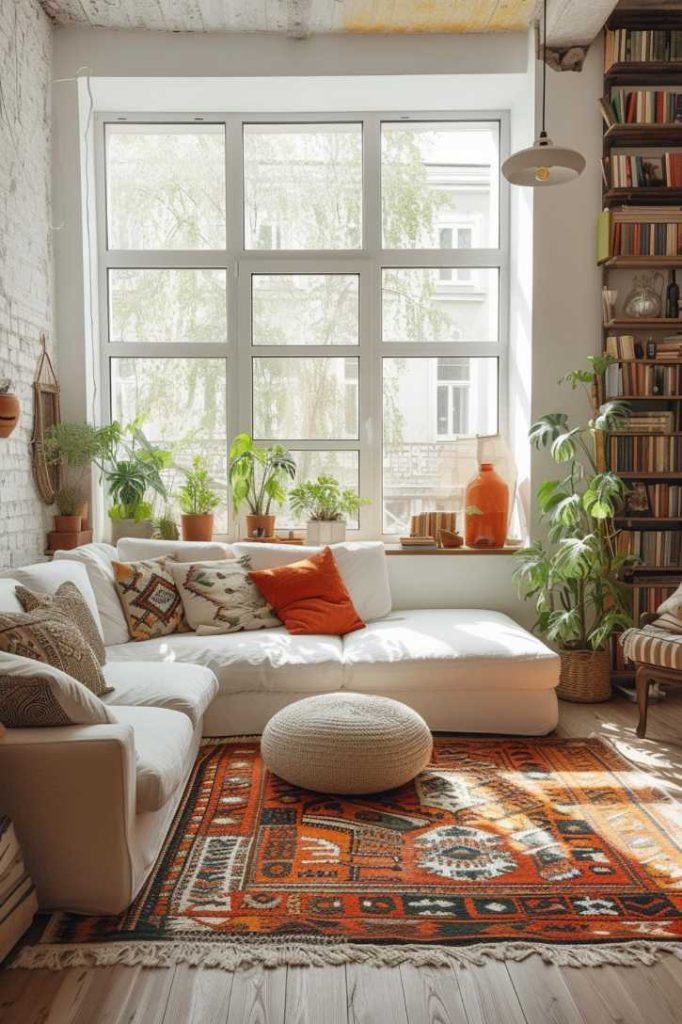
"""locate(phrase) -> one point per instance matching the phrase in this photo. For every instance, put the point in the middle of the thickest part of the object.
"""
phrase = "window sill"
(396, 549)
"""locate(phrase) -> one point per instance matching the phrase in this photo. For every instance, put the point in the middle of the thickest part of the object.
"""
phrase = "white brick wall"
(25, 259)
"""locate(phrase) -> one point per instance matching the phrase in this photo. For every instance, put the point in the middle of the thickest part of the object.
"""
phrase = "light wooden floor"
(530, 992)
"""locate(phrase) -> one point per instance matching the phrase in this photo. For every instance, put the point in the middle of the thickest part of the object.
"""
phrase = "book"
(644, 453)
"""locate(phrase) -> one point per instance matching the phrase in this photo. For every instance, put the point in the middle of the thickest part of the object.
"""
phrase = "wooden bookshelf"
(628, 135)
(656, 323)
(645, 195)
(642, 262)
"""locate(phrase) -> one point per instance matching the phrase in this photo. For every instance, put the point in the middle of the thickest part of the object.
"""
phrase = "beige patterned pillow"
(219, 597)
(47, 636)
(150, 599)
(68, 601)
(40, 696)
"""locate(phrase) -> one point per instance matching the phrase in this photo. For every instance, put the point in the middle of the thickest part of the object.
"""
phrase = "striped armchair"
(657, 656)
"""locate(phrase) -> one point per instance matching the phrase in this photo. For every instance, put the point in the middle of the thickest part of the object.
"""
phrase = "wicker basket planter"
(585, 676)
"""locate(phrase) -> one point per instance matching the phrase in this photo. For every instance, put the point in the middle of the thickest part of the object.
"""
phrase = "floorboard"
(528, 992)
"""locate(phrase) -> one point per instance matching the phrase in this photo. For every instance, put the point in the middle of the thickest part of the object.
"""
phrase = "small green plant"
(258, 476)
(131, 466)
(77, 444)
(575, 581)
(166, 527)
(325, 500)
(197, 497)
(69, 501)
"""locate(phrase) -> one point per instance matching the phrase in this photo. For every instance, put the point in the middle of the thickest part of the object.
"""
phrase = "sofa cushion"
(68, 601)
(186, 688)
(34, 695)
(163, 741)
(219, 597)
(48, 637)
(150, 600)
(9, 602)
(134, 549)
(97, 559)
(264, 660)
(362, 565)
(653, 646)
(47, 577)
(447, 649)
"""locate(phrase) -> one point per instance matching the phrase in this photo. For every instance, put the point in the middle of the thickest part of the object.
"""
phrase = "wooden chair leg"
(642, 683)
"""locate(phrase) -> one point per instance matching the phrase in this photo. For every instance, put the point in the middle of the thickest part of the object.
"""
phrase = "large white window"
(337, 284)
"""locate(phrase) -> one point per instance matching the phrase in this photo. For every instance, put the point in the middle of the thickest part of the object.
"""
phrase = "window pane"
(427, 404)
(303, 186)
(344, 466)
(305, 398)
(305, 309)
(437, 178)
(439, 305)
(182, 402)
(168, 306)
(165, 186)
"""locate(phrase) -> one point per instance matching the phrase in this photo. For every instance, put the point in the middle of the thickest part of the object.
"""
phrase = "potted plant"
(575, 581)
(197, 500)
(77, 446)
(10, 409)
(326, 505)
(258, 479)
(69, 501)
(132, 467)
(166, 527)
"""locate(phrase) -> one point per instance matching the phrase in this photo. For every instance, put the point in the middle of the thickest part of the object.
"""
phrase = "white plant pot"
(130, 528)
(319, 532)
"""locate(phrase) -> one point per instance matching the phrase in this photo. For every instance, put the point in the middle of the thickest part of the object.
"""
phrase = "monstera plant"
(574, 575)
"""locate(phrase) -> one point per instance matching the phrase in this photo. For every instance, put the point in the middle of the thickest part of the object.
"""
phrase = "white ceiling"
(570, 22)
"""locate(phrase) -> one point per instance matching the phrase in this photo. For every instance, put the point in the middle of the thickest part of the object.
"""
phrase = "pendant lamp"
(543, 163)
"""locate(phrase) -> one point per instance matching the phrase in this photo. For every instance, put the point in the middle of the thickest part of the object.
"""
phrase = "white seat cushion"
(447, 649)
(186, 688)
(163, 741)
(263, 660)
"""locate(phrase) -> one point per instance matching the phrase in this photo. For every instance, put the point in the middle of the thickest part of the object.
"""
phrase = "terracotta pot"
(197, 527)
(486, 509)
(585, 676)
(67, 524)
(9, 413)
(320, 532)
(130, 528)
(84, 513)
(260, 527)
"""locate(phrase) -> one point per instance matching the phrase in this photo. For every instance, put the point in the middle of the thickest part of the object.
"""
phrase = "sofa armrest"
(70, 793)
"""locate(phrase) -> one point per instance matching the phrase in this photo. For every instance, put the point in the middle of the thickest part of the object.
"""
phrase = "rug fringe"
(233, 956)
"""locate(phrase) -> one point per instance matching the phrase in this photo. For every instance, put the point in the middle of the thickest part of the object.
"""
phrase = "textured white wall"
(25, 258)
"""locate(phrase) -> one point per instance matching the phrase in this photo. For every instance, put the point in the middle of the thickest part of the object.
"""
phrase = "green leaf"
(564, 447)
(576, 556)
(544, 431)
(604, 496)
(611, 416)
(568, 511)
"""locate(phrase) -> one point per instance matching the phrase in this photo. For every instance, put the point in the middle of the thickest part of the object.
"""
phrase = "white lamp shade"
(543, 164)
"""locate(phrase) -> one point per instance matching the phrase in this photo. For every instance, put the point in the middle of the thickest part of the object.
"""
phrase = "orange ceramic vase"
(486, 509)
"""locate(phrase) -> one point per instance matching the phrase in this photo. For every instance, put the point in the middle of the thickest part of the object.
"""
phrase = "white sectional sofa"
(92, 804)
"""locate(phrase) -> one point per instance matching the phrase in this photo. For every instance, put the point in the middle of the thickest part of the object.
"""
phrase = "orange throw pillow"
(309, 596)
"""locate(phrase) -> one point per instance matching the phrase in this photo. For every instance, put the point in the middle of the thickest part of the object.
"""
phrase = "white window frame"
(367, 262)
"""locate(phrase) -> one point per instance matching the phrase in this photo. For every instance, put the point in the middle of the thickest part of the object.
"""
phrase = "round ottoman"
(348, 743)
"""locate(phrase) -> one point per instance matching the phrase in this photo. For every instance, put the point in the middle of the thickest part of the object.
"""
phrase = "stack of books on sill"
(653, 547)
(629, 45)
(644, 453)
(642, 106)
(664, 171)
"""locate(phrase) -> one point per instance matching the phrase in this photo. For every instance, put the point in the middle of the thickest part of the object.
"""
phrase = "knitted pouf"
(348, 743)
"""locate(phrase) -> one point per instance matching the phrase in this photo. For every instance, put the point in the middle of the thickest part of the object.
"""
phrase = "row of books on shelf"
(625, 45)
(653, 500)
(652, 547)
(643, 380)
(621, 171)
(627, 346)
(639, 231)
(644, 453)
(642, 106)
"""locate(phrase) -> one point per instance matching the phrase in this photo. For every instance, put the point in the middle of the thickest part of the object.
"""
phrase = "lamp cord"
(543, 133)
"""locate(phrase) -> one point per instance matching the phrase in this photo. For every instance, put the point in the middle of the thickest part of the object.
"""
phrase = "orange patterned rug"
(501, 847)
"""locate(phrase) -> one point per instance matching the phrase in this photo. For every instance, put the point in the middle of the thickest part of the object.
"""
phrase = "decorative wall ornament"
(47, 475)
(10, 410)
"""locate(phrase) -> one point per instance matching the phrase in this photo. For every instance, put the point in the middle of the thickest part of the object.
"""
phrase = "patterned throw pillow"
(150, 599)
(40, 696)
(68, 601)
(219, 597)
(47, 636)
